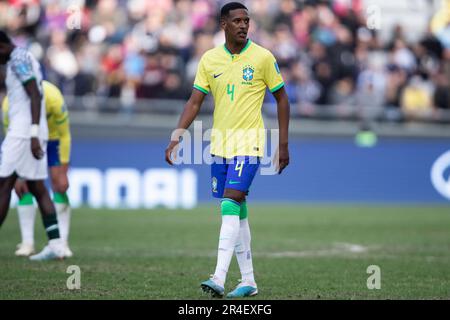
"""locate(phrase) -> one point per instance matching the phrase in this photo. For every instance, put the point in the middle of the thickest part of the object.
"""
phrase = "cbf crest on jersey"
(247, 73)
(214, 184)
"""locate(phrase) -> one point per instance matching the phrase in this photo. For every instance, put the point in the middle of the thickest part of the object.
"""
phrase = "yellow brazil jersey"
(238, 84)
(57, 119)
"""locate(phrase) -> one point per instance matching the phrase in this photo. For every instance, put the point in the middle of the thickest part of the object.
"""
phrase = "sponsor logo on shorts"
(214, 184)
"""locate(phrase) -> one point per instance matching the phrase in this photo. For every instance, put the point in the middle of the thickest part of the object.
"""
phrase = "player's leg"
(229, 231)
(240, 178)
(6, 186)
(60, 184)
(215, 285)
(26, 213)
(55, 249)
(243, 246)
(247, 286)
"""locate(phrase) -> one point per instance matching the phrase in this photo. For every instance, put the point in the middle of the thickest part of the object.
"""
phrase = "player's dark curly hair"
(225, 11)
(4, 38)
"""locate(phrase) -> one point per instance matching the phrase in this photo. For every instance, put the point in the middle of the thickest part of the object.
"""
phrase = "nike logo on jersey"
(217, 75)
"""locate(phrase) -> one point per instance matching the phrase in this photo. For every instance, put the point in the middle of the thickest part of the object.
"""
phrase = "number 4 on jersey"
(230, 91)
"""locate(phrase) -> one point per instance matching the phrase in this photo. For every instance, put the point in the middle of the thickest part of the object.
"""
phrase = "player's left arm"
(283, 124)
(23, 69)
(274, 81)
(35, 97)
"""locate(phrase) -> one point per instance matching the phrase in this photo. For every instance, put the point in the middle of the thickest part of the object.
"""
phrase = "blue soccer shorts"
(53, 159)
(236, 173)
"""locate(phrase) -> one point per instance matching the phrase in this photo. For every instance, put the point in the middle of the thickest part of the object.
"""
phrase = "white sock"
(27, 214)
(229, 233)
(57, 242)
(63, 213)
(243, 252)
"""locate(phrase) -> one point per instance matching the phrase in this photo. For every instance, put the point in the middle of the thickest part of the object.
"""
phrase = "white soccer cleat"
(50, 252)
(67, 252)
(24, 250)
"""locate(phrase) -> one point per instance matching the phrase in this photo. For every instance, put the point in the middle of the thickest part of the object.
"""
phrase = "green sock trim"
(244, 211)
(230, 208)
(61, 198)
(51, 226)
(26, 200)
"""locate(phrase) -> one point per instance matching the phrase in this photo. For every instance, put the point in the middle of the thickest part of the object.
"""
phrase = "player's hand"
(20, 187)
(36, 148)
(171, 152)
(281, 159)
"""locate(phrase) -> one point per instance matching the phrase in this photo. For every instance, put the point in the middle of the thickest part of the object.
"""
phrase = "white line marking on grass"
(337, 249)
(356, 248)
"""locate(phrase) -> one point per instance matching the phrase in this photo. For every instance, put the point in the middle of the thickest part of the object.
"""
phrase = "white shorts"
(16, 156)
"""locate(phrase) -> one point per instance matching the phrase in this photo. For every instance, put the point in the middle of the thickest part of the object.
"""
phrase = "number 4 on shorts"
(239, 167)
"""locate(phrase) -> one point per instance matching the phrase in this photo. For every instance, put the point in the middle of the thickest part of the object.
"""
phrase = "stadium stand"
(337, 59)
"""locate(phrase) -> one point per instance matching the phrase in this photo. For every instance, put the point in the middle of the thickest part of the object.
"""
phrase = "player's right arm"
(191, 109)
(190, 112)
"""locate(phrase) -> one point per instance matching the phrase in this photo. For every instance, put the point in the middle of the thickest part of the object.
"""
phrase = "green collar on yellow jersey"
(242, 51)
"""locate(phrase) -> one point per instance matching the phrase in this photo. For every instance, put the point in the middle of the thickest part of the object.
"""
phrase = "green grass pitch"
(300, 252)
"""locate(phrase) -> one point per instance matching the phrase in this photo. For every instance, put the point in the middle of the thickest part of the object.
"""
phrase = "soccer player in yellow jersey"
(58, 157)
(237, 75)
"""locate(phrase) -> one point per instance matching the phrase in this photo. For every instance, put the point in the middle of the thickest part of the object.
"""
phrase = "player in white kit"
(22, 154)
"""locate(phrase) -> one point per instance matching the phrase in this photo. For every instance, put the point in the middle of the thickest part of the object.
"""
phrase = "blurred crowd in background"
(327, 53)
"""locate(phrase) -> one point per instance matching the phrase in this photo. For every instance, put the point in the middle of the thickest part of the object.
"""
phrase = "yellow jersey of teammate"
(238, 84)
(57, 120)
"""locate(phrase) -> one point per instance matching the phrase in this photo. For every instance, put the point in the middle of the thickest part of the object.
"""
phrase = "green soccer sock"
(229, 232)
(244, 211)
(242, 249)
(26, 200)
(229, 207)
(61, 198)
(26, 213)
(63, 211)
